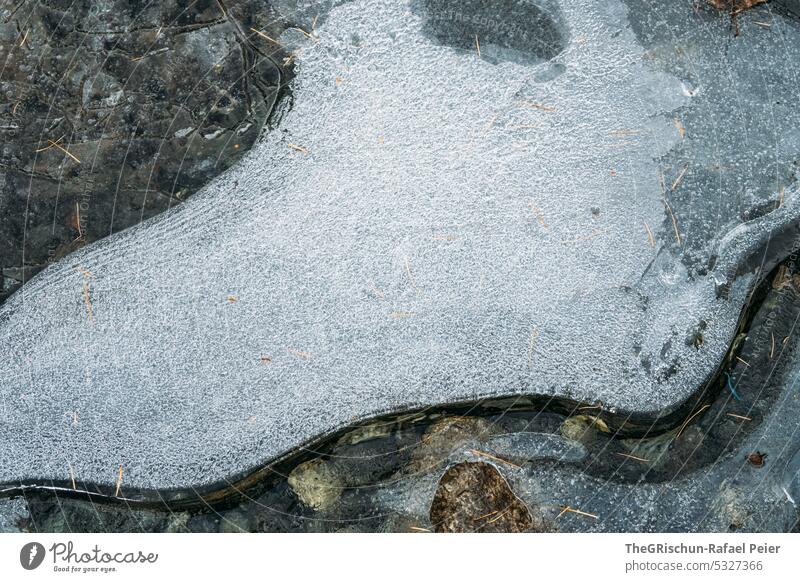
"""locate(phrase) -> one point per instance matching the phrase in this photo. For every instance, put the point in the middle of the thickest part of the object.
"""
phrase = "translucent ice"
(424, 225)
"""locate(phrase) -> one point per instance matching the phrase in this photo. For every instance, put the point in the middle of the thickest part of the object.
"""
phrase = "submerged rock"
(316, 483)
(554, 225)
(474, 497)
(445, 437)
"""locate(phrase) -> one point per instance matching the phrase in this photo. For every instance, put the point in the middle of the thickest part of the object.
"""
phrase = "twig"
(298, 353)
(478, 46)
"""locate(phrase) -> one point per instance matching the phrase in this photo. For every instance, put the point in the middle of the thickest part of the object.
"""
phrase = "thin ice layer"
(423, 226)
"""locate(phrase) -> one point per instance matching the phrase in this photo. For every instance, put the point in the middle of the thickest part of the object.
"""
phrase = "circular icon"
(31, 555)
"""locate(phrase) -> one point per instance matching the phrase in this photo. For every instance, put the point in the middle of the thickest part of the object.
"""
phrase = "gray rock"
(424, 226)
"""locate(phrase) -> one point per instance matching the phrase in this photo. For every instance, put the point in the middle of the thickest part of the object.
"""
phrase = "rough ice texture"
(423, 226)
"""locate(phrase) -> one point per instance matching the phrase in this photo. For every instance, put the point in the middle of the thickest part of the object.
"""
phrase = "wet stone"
(316, 483)
(475, 497)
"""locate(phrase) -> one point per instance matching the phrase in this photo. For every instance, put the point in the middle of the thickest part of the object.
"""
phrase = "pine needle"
(739, 416)
(674, 222)
(688, 420)
(679, 179)
(650, 238)
(300, 354)
(568, 509)
(298, 148)
(401, 314)
(494, 458)
(408, 273)
(87, 299)
(63, 149)
(266, 37)
(540, 106)
(634, 457)
(119, 482)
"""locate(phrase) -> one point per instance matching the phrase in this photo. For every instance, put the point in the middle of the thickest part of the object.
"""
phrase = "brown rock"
(475, 497)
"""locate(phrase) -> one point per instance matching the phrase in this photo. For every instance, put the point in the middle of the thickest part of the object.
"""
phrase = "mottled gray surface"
(11, 511)
(424, 226)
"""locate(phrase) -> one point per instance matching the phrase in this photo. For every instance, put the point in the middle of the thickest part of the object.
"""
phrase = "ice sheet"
(423, 226)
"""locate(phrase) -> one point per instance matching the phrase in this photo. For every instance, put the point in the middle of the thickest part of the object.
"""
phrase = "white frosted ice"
(421, 227)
